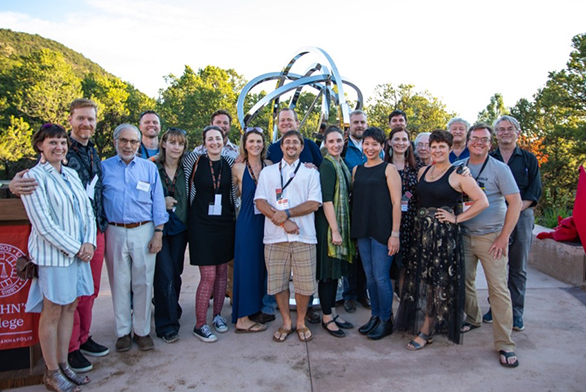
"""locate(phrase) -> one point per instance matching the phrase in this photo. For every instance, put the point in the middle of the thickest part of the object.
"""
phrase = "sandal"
(414, 346)
(256, 327)
(283, 334)
(467, 327)
(56, 381)
(508, 355)
(72, 376)
(301, 334)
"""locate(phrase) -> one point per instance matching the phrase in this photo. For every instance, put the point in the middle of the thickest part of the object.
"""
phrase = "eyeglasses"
(506, 130)
(483, 140)
(124, 142)
(422, 145)
(250, 129)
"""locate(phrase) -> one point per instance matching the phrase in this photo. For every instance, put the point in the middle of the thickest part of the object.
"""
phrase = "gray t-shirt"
(497, 181)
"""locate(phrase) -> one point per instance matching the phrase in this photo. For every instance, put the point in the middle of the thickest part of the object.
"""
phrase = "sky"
(462, 52)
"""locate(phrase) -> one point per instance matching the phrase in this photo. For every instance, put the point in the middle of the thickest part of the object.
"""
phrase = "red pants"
(82, 320)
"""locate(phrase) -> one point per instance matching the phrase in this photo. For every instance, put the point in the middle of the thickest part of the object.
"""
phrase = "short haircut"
(332, 129)
(122, 127)
(82, 103)
(293, 132)
(247, 132)
(288, 110)
(374, 133)
(419, 136)
(441, 136)
(48, 131)
(356, 112)
(148, 112)
(458, 120)
(397, 112)
(510, 119)
(478, 126)
(172, 134)
(220, 112)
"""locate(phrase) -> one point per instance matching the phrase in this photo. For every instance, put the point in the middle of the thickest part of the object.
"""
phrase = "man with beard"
(221, 118)
(149, 124)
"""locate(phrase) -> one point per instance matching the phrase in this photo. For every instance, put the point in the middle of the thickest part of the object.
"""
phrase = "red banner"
(17, 328)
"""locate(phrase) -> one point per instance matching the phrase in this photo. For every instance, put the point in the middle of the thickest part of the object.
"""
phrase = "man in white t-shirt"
(288, 194)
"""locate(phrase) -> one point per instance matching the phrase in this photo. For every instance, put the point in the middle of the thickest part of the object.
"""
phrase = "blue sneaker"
(518, 324)
(487, 318)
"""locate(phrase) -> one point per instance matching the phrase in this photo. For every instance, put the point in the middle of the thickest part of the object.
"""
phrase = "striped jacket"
(56, 227)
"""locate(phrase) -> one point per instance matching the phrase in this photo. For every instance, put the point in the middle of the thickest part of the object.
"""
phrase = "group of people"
(368, 209)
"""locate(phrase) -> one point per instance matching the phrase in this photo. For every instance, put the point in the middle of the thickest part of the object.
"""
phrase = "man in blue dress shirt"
(135, 208)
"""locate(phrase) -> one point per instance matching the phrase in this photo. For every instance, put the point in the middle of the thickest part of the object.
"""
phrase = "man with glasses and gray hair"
(486, 238)
(525, 169)
(134, 206)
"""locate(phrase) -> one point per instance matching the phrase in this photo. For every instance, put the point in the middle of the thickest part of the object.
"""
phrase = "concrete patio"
(552, 354)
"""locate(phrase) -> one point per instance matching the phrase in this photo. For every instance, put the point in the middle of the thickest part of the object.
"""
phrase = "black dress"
(211, 237)
(434, 277)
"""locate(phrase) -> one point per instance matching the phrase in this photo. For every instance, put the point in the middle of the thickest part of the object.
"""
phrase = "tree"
(494, 110)
(15, 144)
(424, 111)
(189, 100)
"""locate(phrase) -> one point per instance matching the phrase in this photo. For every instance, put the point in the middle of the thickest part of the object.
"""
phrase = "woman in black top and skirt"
(210, 227)
(433, 289)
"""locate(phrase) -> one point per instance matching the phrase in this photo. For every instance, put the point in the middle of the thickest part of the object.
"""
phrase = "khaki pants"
(476, 248)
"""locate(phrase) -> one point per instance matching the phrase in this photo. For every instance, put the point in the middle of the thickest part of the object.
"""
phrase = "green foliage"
(16, 143)
(494, 110)
(424, 111)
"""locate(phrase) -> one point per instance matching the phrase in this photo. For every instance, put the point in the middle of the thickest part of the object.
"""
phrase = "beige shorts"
(283, 257)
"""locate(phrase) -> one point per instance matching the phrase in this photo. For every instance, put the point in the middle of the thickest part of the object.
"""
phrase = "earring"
(43, 160)
(64, 161)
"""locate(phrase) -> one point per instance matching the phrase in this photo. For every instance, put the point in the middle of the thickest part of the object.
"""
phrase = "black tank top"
(372, 210)
(437, 193)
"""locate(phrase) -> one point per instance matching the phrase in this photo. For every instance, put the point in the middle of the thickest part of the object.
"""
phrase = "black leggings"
(327, 289)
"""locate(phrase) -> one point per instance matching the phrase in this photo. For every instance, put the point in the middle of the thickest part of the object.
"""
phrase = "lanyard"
(291, 177)
(216, 182)
(262, 165)
(481, 169)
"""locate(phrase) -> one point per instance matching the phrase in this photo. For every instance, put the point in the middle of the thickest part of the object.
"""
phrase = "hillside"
(14, 45)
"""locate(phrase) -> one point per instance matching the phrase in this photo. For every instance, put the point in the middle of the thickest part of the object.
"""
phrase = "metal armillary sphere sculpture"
(321, 76)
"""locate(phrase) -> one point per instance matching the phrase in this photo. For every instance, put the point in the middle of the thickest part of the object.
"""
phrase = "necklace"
(437, 175)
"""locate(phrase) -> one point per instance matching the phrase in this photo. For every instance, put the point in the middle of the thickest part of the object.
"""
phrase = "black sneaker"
(204, 334)
(78, 362)
(93, 349)
(170, 337)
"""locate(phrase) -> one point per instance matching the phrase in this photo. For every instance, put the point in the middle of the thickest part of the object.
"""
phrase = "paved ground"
(552, 352)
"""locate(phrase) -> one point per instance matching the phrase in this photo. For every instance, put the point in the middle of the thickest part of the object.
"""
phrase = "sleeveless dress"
(434, 277)
(249, 260)
(211, 238)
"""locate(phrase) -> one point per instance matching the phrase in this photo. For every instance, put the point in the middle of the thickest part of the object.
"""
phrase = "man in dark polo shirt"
(525, 169)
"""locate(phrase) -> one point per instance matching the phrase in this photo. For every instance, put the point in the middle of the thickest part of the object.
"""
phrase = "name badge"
(283, 204)
(90, 188)
(215, 208)
(143, 186)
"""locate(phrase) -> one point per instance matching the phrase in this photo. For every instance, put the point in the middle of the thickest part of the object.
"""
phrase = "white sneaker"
(220, 324)
(204, 334)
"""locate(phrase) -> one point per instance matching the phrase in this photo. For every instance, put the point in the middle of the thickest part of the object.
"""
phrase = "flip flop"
(283, 334)
(259, 328)
(301, 334)
(467, 327)
(508, 355)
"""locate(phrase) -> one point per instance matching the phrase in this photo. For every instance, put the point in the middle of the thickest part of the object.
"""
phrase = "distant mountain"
(13, 45)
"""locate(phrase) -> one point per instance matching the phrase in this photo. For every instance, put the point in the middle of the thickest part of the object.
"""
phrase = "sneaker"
(220, 324)
(170, 337)
(487, 318)
(93, 349)
(204, 334)
(518, 324)
(78, 362)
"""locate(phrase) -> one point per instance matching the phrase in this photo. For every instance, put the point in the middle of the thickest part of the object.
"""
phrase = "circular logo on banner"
(10, 283)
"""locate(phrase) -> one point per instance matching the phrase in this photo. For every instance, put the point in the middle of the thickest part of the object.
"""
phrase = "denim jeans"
(377, 265)
(518, 254)
(167, 283)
